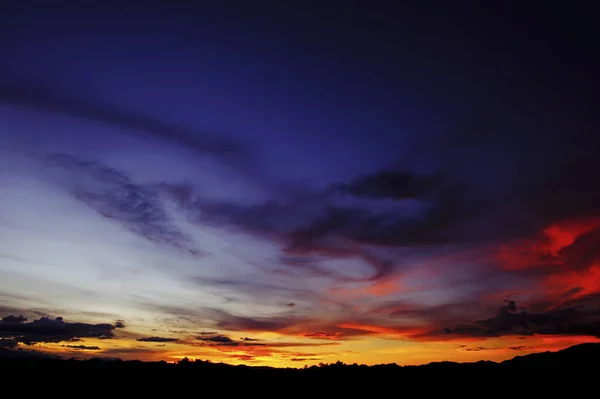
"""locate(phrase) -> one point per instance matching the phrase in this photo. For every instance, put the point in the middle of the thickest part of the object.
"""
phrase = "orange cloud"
(398, 332)
(323, 335)
(386, 287)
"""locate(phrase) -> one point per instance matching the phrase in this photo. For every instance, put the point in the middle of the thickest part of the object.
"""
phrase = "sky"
(295, 183)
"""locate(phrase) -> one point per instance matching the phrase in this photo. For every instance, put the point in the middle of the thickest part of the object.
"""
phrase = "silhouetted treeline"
(581, 359)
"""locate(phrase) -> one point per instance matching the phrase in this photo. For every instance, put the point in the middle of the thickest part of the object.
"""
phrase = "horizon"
(280, 184)
(35, 355)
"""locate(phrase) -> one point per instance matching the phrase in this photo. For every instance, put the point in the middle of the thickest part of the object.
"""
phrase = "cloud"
(293, 344)
(564, 260)
(584, 250)
(83, 347)
(58, 101)
(356, 326)
(14, 319)
(562, 265)
(520, 348)
(157, 339)
(262, 291)
(571, 243)
(220, 339)
(305, 221)
(487, 349)
(349, 221)
(245, 343)
(511, 320)
(273, 324)
(395, 184)
(323, 335)
(113, 195)
(451, 206)
(250, 350)
(46, 329)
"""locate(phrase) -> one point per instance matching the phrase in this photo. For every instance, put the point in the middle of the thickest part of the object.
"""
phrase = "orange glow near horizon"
(369, 350)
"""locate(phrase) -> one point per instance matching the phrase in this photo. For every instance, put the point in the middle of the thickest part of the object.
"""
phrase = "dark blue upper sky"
(340, 88)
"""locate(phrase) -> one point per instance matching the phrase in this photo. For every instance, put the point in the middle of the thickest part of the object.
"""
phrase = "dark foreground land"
(571, 368)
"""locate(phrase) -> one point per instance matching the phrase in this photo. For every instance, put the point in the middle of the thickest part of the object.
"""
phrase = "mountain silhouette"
(576, 358)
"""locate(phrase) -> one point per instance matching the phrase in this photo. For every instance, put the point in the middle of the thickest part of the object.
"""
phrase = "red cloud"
(567, 254)
(323, 335)
(549, 248)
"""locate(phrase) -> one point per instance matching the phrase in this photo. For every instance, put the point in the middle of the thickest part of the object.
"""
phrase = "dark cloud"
(327, 225)
(157, 339)
(457, 204)
(14, 319)
(452, 210)
(511, 320)
(477, 349)
(521, 348)
(511, 306)
(83, 347)
(273, 324)
(53, 330)
(60, 102)
(249, 339)
(395, 184)
(270, 218)
(115, 196)
(483, 348)
(221, 339)
(438, 215)
(306, 223)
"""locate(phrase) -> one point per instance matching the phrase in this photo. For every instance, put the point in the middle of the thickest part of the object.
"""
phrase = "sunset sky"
(290, 183)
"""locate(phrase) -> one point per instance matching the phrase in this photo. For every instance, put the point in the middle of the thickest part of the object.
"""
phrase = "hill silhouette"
(578, 358)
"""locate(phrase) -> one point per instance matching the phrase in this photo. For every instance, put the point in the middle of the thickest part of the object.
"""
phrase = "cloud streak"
(157, 339)
(116, 197)
(56, 100)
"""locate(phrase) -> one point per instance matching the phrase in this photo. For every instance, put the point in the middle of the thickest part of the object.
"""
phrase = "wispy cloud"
(157, 339)
(57, 100)
(116, 197)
